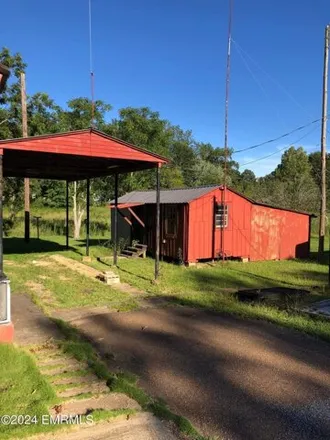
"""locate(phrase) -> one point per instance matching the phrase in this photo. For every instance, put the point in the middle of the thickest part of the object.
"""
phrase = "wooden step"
(141, 246)
(139, 251)
(129, 254)
(133, 249)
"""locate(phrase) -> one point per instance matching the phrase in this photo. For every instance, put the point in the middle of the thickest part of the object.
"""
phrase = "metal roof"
(186, 195)
(74, 155)
(180, 195)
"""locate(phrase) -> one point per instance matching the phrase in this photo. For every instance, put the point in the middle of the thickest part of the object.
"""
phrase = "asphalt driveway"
(234, 379)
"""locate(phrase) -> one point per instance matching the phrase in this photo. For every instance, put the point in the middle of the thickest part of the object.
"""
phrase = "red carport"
(72, 156)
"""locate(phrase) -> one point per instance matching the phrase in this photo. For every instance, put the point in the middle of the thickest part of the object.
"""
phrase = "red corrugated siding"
(255, 232)
(201, 227)
(84, 144)
(278, 234)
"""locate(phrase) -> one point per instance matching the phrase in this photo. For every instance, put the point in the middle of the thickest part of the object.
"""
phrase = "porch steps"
(139, 250)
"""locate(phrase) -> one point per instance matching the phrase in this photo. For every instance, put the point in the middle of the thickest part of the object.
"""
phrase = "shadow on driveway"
(232, 378)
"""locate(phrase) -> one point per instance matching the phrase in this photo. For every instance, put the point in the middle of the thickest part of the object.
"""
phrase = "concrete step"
(142, 426)
(129, 254)
(108, 401)
(57, 360)
(88, 379)
(60, 369)
(96, 388)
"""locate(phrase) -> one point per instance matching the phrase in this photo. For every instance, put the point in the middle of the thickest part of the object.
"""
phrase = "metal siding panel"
(278, 234)
(84, 144)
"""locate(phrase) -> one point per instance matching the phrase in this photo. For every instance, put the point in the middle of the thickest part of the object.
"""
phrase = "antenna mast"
(228, 85)
(224, 211)
(91, 63)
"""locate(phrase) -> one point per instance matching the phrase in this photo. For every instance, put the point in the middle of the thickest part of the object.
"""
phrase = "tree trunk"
(78, 213)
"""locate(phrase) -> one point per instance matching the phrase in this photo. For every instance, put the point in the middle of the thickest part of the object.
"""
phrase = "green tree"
(246, 182)
(207, 173)
(79, 113)
(144, 127)
(291, 185)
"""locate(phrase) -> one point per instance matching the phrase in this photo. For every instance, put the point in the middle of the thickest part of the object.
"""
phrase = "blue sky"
(170, 55)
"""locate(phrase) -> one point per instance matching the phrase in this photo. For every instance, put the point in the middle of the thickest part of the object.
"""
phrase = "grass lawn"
(23, 391)
(53, 286)
(52, 221)
(212, 287)
(208, 286)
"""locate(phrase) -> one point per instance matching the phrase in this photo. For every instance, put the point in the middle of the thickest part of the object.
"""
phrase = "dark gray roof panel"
(182, 195)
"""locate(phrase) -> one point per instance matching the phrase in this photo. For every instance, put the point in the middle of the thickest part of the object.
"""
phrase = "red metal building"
(196, 224)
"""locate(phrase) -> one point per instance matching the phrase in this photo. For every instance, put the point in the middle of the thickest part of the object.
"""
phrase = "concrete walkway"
(73, 379)
(142, 426)
(31, 325)
(235, 379)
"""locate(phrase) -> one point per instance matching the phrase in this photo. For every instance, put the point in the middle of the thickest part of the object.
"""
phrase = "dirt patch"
(43, 277)
(12, 263)
(64, 278)
(76, 266)
(40, 290)
(42, 263)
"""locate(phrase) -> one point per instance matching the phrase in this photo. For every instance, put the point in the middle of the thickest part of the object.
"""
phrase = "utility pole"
(323, 209)
(26, 180)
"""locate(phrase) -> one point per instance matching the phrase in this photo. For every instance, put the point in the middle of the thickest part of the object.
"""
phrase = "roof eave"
(266, 205)
(161, 159)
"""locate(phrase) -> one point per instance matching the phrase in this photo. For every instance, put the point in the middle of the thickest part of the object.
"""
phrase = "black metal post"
(328, 252)
(115, 238)
(67, 215)
(157, 221)
(87, 217)
(1, 216)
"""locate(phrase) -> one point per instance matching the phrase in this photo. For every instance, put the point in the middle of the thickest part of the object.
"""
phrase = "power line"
(277, 138)
(259, 83)
(277, 83)
(281, 149)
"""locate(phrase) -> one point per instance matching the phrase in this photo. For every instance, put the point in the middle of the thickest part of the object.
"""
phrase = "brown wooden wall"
(173, 242)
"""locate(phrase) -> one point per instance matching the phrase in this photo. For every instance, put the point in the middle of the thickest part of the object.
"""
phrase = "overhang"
(74, 155)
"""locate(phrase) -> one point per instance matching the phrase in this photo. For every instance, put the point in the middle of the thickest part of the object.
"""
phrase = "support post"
(323, 208)
(157, 221)
(67, 215)
(87, 216)
(1, 215)
(26, 180)
(115, 238)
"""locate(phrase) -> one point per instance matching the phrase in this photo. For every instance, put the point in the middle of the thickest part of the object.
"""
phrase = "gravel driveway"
(234, 379)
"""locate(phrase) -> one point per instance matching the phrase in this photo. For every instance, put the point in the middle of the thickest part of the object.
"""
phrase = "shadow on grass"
(94, 242)
(324, 259)
(134, 274)
(15, 245)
